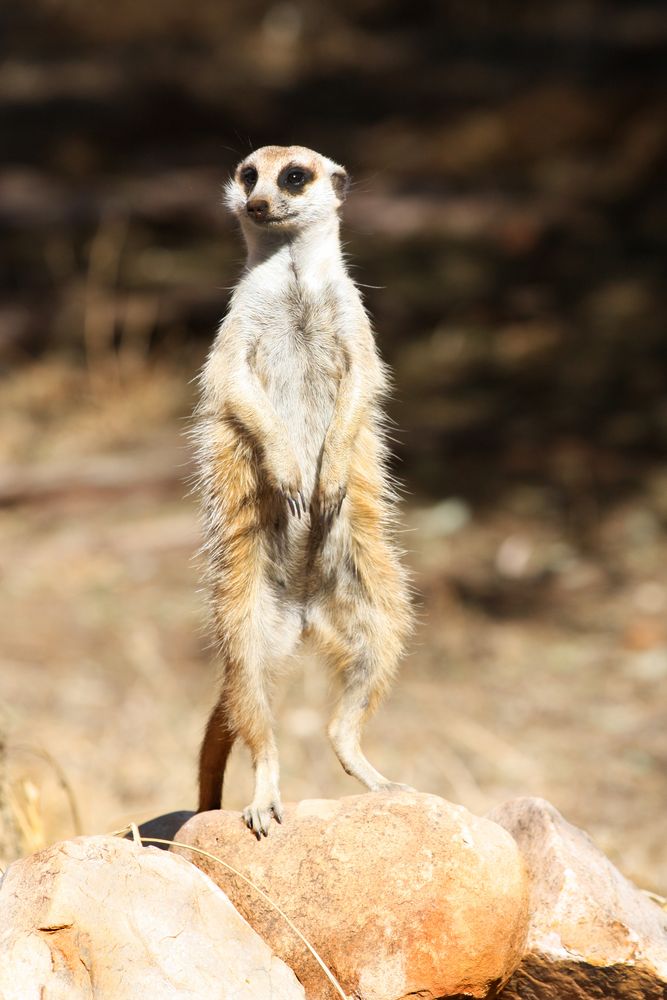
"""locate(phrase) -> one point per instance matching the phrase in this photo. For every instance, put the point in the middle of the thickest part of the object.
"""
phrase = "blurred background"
(507, 222)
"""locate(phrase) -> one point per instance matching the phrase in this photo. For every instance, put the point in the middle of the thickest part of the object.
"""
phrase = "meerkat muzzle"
(258, 209)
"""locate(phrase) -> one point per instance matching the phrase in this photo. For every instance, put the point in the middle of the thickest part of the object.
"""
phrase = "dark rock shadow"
(163, 827)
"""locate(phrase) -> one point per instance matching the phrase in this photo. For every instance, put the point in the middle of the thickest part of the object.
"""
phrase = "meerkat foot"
(393, 786)
(257, 816)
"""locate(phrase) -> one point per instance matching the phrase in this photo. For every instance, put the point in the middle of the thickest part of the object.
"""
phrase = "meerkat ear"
(340, 180)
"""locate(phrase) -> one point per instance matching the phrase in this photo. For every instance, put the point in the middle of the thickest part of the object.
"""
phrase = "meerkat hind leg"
(266, 802)
(242, 712)
(216, 747)
(354, 705)
(252, 712)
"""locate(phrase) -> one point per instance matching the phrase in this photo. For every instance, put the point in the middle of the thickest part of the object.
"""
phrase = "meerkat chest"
(299, 354)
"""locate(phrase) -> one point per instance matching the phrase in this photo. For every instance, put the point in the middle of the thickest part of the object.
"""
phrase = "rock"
(99, 917)
(592, 933)
(401, 894)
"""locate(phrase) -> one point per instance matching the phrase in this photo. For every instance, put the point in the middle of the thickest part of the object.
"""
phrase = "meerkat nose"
(257, 209)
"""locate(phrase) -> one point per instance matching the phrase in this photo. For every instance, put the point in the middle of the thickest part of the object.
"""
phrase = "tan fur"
(298, 507)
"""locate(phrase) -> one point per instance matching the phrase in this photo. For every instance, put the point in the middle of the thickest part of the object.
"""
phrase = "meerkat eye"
(294, 179)
(249, 178)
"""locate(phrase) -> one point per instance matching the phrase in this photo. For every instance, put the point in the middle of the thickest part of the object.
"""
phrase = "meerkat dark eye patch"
(294, 179)
(248, 178)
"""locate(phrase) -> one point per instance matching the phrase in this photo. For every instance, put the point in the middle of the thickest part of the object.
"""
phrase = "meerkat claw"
(253, 820)
(330, 509)
(292, 504)
(292, 499)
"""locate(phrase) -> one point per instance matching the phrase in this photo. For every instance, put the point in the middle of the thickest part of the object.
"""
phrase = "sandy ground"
(537, 668)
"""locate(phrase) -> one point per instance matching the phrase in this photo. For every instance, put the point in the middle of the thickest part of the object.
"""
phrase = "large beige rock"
(401, 894)
(592, 933)
(101, 918)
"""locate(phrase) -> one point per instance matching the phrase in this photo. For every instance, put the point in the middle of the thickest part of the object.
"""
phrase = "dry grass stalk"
(62, 780)
(25, 804)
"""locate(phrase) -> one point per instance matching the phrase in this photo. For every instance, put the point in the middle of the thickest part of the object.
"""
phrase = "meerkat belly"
(300, 376)
(301, 379)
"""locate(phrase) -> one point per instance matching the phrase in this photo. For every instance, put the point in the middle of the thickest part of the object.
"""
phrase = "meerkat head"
(285, 189)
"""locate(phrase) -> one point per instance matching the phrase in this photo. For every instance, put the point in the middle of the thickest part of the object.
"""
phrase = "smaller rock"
(100, 917)
(592, 933)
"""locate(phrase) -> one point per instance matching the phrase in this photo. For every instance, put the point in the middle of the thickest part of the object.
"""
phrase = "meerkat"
(297, 500)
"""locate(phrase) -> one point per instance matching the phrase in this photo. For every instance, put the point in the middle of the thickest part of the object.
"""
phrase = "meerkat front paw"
(286, 476)
(329, 497)
(294, 499)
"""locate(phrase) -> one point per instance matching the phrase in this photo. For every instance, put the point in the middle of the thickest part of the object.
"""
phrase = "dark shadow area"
(580, 981)
(162, 828)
